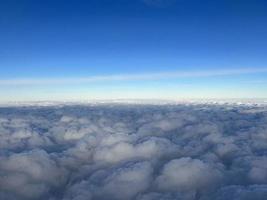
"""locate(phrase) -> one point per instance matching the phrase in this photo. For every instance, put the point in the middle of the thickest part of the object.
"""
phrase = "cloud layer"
(127, 151)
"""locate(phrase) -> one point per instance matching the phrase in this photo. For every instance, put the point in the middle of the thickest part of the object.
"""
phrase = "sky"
(132, 49)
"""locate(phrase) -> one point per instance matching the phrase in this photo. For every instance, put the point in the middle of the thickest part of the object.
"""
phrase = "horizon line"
(178, 99)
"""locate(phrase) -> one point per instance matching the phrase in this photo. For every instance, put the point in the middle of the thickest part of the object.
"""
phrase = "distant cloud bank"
(139, 152)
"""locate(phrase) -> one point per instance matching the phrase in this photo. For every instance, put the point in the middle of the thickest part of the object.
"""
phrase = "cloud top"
(136, 152)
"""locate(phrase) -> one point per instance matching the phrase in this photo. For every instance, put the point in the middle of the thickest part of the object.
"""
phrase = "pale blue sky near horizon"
(103, 49)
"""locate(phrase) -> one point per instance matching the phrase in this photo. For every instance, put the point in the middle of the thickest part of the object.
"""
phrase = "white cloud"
(187, 175)
(128, 151)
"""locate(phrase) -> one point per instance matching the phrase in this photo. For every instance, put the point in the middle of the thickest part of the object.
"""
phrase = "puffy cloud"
(128, 151)
(258, 170)
(186, 174)
(30, 175)
(252, 192)
(128, 181)
(122, 182)
(148, 149)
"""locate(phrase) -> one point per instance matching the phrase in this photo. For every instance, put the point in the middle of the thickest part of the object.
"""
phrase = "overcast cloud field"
(133, 151)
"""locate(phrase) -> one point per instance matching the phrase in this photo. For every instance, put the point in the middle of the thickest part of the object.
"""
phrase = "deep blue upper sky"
(77, 38)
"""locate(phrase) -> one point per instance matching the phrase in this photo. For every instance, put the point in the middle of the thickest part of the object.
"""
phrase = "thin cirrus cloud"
(132, 77)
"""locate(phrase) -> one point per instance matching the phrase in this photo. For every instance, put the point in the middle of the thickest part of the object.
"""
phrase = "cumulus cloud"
(187, 174)
(127, 151)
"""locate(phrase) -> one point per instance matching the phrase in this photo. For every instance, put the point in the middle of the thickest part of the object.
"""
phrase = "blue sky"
(72, 50)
